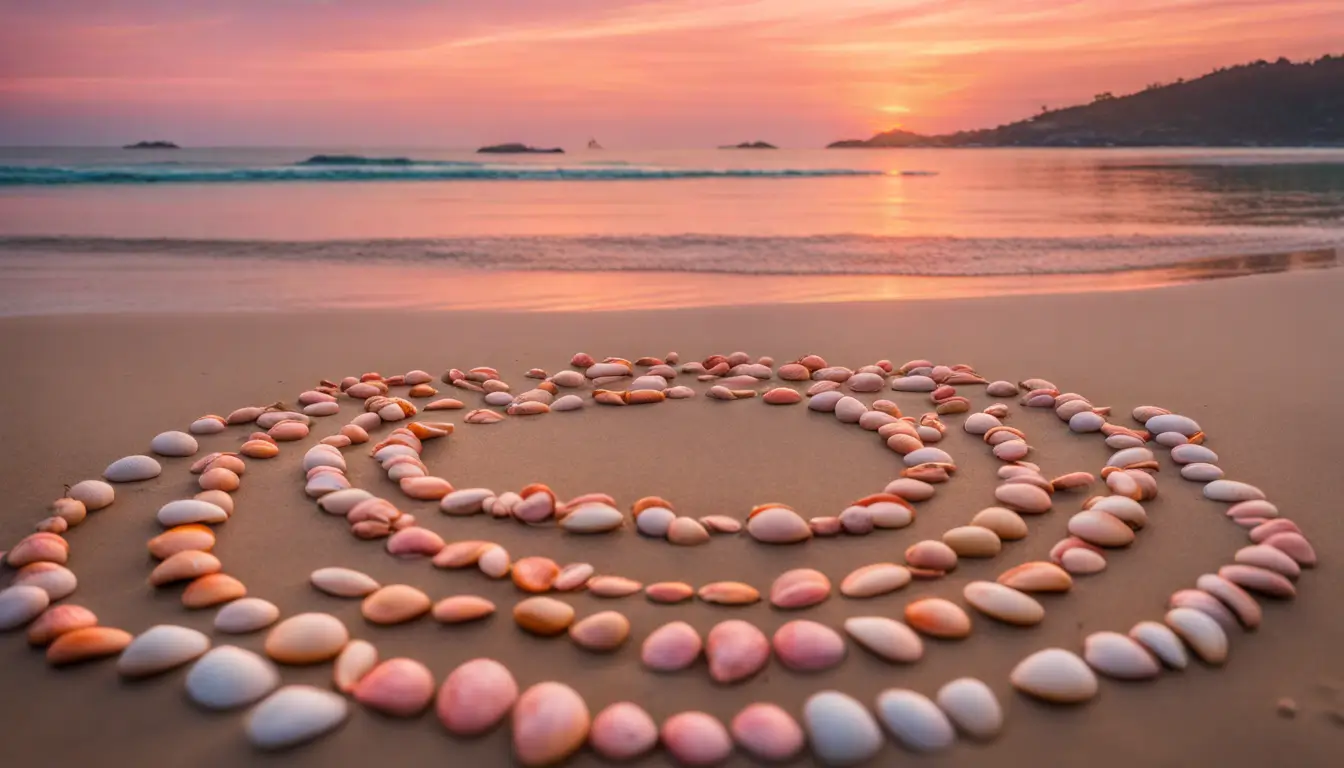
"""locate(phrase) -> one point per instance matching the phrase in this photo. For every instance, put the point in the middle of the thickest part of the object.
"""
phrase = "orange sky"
(658, 73)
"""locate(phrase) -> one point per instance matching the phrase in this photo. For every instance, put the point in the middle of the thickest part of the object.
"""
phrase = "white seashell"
(464, 501)
(1170, 439)
(327, 482)
(161, 648)
(567, 403)
(322, 409)
(825, 401)
(1171, 422)
(246, 615)
(343, 582)
(1101, 528)
(1115, 655)
(21, 604)
(1120, 442)
(887, 638)
(1127, 456)
(654, 521)
(1162, 642)
(184, 511)
(1082, 561)
(1201, 473)
(840, 730)
(972, 707)
(928, 434)
(980, 423)
(606, 369)
(1129, 511)
(1055, 675)
(593, 518)
(132, 469)
(927, 455)
(497, 398)
(173, 444)
(1011, 450)
(915, 720)
(1191, 454)
(323, 456)
(341, 502)
(913, 384)
(94, 494)
(1086, 421)
(1003, 603)
(1200, 632)
(207, 427)
(60, 582)
(295, 714)
(849, 410)
(1232, 490)
(227, 677)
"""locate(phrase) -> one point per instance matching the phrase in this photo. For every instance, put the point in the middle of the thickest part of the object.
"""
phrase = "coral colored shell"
(475, 697)
(306, 638)
(729, 593)
(767, 732)
(550, 722)
(623, 731)
(931, 555)
(1036, 576)
(212, 590)
(807, 646)
(736, 650)
(1003, 603)
(1023, 498)
(535, 574)
(778, 525)
(799, 588)
(604, 631)
(86, 644)
(56, 621)
(38, 548)
(671, 647)
(399, 687)
(246, 615)
(683, 531)
(414, 542)
(972, 541)
(56, 580)
(395, 604)
(875, 579)
(938, 618)
(182, 566)
(543, 615)
(696, 738)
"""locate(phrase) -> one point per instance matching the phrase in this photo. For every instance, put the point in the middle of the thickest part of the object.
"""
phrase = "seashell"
(1072, 480)
(1122, 441)
(131, 469)
(259, 449)
(1003, 603)
(21, 604)
(464, 501)
(246, 615)
(915, 720)
(910, 489)
(211, 590)
(1295, 545)
(550, 722)
(778, 525)
(1055, 675)
(657, 521)
(598, 370)
(1170, 422)
(865, 382)
(218, 479)
(671, 647)
(1023, 498)
(721, 524)
(207, 425)
(1204, 603)
(38, 547)
(1200, 632)
(481, 416)
(462, 608)
(875, 579)
(398, 687)
(365, 422)
(567, 403)
(1268, 528)
(972, 541)
(729, 593)
(1101, 528)
(1118, 656)
(1201, 473)
(93, 494)
(1261, 580)
(1161, 642)
(86, 644)
(1232, 491)
(1001, 389)
(543, 616)
(50, 623)
(1269, 558)
(840, 730)
(604, 631)
(343, 582)
(173, 444)
(1192, 454)
(799, 588)
(593, 518)
(475, 697)
(736, 650)
(980, 423)
(189, 564)
(394, 604)
(494, 561)
(938, 618)
(69, 510)
(306, 638)
(1234, 597)
(613, 586)
(849, 410)
(293, 715)
(926, 456)
(1253, 509)
(161, 648)
(1082, 561)
(806, 646)
(931, 555)
(972, 708)
(1086, 421)
(766, 732)
(426, 488)
(695, 738)
(856, 520)
(1036, 576)
(825, 402)
(1005, 523)
(414, 542)
(913, 384)
(886, 638)
(678, 393)
(322, 409)
(227, 677)
(535, 574)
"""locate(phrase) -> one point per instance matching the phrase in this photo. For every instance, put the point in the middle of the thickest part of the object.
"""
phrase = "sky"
(632, 73)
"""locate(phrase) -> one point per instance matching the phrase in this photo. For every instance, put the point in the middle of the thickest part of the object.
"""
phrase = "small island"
(152, 145)
(750, 145)
(519, 149)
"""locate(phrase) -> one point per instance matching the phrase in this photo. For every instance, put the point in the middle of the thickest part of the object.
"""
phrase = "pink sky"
(656, 73)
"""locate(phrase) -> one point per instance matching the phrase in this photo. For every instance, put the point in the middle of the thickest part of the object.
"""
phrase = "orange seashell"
(530, 408)
(85, 644)
(446, 404)
(218, 479)
(938, 618)
(613, 586)
(729, 593)
(414, 541)
(426, 488)
(429, 430)
(212, 590)
(782, 396)
(929, 473)
(189, 564)
(535, 574)
(607, 397)
(669, 592)
(1036, 576)
(181, 539)
(336, 441)
(461, 608)
(483, 416)
(38, 547)
(423, 390)
(259, 449)
(395, 604)
(875, 498)
(647, 502)
(543, 616)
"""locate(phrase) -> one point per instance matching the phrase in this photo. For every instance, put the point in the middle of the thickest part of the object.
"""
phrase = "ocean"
(922, 213)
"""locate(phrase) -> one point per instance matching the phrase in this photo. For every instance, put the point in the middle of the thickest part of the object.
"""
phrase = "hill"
(1261, 104)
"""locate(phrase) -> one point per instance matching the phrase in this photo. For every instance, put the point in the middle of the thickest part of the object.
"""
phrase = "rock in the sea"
(293, 715)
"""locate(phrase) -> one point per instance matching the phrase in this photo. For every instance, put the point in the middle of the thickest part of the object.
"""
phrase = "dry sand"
(1255, 360)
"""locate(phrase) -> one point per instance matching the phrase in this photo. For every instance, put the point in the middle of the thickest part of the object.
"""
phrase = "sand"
(1254, 359)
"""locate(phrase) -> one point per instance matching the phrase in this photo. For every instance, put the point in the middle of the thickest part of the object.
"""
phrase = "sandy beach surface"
(1255, 360)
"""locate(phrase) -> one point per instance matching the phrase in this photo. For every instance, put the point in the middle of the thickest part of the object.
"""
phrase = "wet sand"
(1255, 360)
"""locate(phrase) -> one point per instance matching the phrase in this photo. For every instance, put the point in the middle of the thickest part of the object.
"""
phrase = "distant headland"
(519, 149)
(1261, 104)
(152, 145)
(750, 145)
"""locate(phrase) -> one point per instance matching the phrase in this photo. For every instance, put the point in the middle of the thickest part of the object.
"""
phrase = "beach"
(1255, 360)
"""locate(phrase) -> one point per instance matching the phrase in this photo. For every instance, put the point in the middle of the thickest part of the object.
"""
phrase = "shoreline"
(1236, 355)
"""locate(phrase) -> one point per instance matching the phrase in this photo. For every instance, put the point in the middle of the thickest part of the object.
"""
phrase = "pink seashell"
(58, 620)
(806, 646)
(550, 722)
(475, 697)
(572, 576)
(1263, 531)
(875, 579)
(1296, 546)
(736, 650)
(603, 631)
(931, 555)
(1261, 580)
(623, 731)
(938, 618)
(767, 732)
(426, 488)
(1204, 603)
(399, 687)
(1234, 597)
(800, 588)
(461, 608)
(415, 542)
(721, 524)
(613, 586)
(778, 525)
(1269, 558)
(669, 592)
(825, 526)
(695, 738)
(671, 647)
(856, 520)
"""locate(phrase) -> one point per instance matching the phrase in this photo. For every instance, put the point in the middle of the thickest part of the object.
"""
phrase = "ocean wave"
(731, 254)
(333, 168)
